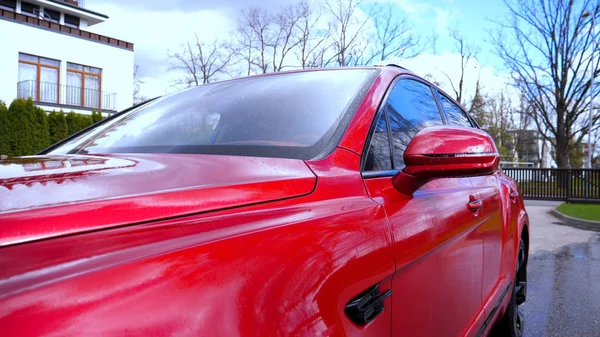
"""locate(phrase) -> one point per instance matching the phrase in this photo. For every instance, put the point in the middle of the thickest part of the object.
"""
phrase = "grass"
(585, 212)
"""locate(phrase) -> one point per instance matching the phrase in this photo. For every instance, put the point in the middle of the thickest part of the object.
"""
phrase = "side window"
(379, 154)
(410, 107)
(455, 115)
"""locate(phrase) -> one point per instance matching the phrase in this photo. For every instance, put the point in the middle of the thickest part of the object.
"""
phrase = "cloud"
(183, 5)
(437, 13)
(155, 33)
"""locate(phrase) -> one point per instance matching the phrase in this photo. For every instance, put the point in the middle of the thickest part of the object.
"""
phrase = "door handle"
(367, 306)
(514, 195)
(475, 205)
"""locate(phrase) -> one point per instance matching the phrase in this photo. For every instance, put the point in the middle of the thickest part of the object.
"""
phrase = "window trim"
(393, 171)
(36, 8)
(83, 73)
(7, 8)
(68, 24)
(39, 65)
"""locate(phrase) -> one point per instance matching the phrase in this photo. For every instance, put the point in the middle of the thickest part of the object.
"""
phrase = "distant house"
(47, 54)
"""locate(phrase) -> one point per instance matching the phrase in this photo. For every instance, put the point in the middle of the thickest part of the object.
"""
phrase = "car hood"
(47, 196)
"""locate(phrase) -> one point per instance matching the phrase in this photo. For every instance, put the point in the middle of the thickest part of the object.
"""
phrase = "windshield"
(288, 115)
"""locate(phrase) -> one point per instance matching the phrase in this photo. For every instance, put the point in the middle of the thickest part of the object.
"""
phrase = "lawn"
(586, 212)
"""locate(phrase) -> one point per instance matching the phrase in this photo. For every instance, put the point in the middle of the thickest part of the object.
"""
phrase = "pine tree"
(57, 125)
(5, 131)
(40, 128)
(77, 122)
(21, 117)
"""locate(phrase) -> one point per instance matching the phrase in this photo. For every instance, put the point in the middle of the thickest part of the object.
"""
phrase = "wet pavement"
(563, 297)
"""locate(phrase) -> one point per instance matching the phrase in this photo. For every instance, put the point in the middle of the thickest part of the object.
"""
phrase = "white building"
(47, 54)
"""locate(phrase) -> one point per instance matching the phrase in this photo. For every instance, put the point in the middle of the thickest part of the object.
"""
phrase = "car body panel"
(438, 258)
(51, 196)
(232, 272)
(240, 246)
(488, 191)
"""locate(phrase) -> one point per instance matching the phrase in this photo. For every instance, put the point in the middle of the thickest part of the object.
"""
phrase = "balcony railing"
(79, 3)
(67, 95)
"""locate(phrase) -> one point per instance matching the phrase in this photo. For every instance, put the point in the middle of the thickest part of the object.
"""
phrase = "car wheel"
(512, 323)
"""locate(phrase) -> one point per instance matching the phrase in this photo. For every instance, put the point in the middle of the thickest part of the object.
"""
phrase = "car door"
(437, 241)
(487, 189)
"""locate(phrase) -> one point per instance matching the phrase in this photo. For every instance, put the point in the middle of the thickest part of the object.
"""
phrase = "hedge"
(26, 129)
(4, 129)
(57, 124)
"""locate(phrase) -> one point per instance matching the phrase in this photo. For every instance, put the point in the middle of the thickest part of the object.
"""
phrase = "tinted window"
(54, 15)
(29, 8)
(12, 4)
(71, 20)
(379, 154)
(454, 114)
(293, 115)
(410, 107)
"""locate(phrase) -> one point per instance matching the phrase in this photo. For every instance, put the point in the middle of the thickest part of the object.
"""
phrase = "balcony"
(79, 3)
(66, 96)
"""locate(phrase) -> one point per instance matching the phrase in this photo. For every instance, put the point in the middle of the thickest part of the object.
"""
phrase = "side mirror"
(446, 152)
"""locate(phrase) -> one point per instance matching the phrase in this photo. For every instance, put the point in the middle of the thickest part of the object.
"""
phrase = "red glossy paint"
(444, 152)
(49, 196)
(235, 246)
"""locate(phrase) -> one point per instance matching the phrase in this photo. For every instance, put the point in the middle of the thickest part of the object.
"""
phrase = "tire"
(512, 323)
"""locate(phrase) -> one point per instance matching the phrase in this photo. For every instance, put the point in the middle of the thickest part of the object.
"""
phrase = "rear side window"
(410, 107)
(379, 154)
(454, 114)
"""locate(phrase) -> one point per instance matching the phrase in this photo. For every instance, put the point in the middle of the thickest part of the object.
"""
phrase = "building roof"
(64, 3)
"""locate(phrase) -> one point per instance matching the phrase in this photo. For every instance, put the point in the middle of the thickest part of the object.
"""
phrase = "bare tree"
(346, 29)
(548, 52)
(311, 41)
(468, 52)
(137, 82)
(286, 24)
(200, 62)
(255, 27)
(393, 36)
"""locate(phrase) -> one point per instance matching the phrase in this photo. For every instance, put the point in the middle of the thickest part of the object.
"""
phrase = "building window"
(51, 15)
(84, 86)
(71, 21)
(29, 9)
(38, 78)
(8, 5)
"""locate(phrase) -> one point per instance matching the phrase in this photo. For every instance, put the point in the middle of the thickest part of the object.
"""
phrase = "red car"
(337, 202)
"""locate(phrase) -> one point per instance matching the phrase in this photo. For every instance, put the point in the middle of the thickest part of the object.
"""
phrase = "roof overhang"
(90, 16)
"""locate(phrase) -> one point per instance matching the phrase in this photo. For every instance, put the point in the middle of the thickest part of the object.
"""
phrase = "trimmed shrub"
(77, 122)
(21, 116)
(41, 132)
(5, 130)
(96, 116)
(57, 125)
(26, 129)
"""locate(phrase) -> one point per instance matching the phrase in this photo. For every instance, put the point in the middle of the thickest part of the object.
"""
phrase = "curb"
(574, 222)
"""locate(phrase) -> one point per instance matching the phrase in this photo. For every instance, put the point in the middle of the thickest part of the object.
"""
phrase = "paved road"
(563, 296)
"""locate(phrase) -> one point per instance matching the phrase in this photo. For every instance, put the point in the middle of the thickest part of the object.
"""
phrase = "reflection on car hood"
(45, 196)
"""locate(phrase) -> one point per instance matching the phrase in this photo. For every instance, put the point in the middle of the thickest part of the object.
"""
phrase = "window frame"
(49, 17)
(36, 8)
(381, 110)
(83, 73)
(38, 82)
(68, 24)
(438, 96)
(7, 8)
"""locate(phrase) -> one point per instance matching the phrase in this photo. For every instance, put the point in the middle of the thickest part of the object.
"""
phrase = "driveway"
(563, 297)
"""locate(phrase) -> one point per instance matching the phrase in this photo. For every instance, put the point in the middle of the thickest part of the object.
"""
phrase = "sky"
(157, 27)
